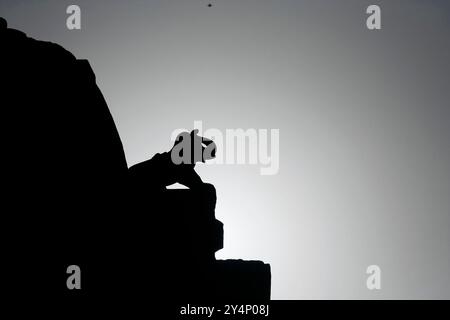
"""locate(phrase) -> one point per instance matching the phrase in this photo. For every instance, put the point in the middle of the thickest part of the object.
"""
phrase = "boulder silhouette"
(70, 198)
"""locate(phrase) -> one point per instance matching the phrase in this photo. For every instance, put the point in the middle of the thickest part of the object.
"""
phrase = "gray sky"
(363, 117)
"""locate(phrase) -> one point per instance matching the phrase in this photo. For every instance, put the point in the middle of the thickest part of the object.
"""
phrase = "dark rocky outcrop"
(69, 197)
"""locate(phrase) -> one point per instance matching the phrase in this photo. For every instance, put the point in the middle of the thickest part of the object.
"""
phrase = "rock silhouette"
(70, 198)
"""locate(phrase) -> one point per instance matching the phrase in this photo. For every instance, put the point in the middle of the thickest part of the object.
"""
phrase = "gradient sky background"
(363, 116)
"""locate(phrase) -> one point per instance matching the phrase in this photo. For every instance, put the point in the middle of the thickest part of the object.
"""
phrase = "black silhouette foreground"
(69, 198)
